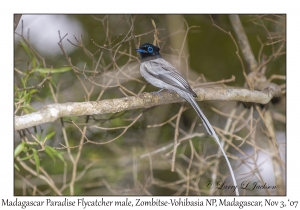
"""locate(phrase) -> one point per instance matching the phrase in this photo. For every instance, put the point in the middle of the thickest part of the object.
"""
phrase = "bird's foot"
(158, 92)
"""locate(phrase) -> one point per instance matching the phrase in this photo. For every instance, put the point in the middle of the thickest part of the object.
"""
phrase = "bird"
(160, 73)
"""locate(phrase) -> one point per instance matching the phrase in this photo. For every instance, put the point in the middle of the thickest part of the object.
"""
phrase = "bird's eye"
(150, 49)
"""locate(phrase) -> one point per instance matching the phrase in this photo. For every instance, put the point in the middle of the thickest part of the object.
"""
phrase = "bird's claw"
(158, 92)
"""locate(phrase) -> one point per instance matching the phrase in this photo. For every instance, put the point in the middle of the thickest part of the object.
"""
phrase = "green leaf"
(24, 81)
(57, 154)
(49, 136)
(28, 95)
(17, 167)
(25, 47)
(37, 160)
(31, 144)
(53, 71)
(19, 149)
(33, 61)
(49, 152)
(26, 158)
(29, 53)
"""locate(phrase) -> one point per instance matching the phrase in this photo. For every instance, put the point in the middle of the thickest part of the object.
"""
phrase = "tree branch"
(16, 20)
(243, 41)
(52, 112)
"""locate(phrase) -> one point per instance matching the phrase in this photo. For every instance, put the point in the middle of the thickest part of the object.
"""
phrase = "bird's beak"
(141, 51)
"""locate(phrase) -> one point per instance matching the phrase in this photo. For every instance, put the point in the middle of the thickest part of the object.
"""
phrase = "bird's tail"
(205, 121)
(211, 132)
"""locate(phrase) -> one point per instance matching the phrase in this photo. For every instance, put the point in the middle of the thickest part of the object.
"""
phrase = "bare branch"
(52, 112)
(16, 20)
(243, 41)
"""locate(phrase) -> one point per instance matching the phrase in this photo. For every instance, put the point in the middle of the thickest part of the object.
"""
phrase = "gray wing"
(165, 72)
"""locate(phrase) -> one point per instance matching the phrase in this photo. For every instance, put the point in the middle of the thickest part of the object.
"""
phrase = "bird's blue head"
(148, 51)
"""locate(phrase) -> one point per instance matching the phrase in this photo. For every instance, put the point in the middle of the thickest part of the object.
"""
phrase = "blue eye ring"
(150, 49)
